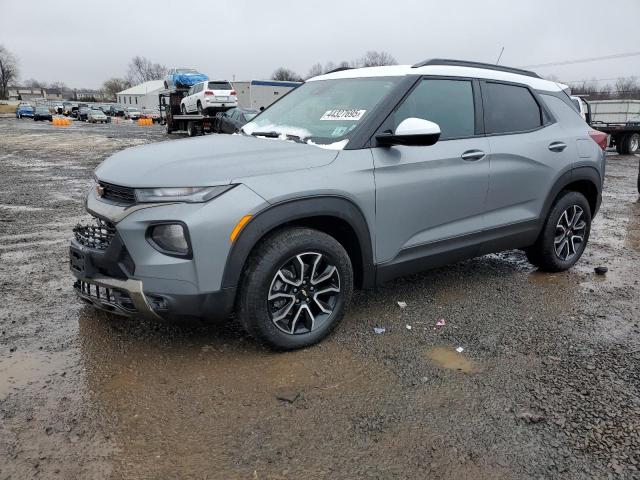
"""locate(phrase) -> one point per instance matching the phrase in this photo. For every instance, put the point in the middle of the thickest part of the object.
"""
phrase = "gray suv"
(356, 177)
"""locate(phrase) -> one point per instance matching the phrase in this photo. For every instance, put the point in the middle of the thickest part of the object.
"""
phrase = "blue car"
(183, 78)
(25, 110)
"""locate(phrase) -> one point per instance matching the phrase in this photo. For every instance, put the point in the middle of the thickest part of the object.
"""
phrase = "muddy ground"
(548, 384)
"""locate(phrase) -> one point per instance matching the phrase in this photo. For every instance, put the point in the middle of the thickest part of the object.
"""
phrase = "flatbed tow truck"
(174, 120)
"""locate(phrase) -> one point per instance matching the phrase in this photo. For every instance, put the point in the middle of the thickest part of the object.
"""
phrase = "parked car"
(117, 110)
(132, 113)
(42, 113)
(183, 78)
(354, 178)
(83, 113)
(153, 114)
(208, 97)
(233, 120)
(106, 108)
(96, 115)
(25, 110)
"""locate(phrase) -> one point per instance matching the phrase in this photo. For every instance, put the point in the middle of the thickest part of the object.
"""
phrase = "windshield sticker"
(342, 114)
(339, 131)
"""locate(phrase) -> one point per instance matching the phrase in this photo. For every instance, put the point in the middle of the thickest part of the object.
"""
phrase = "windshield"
(576, 102)
(186, 70)
(248, 116)
(132, 109)
(324, 111)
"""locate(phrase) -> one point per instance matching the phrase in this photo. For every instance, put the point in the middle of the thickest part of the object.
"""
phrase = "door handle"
(557, 146)
(473, 155)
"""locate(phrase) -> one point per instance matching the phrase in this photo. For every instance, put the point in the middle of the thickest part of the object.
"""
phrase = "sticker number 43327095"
(343, 114)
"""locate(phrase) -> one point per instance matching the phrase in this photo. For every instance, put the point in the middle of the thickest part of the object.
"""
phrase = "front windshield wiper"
(274, 134)
(271, 134)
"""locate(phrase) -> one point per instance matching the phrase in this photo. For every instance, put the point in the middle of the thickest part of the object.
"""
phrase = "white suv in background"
(210, 96)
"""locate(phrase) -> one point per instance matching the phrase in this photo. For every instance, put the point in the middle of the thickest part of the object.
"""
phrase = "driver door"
(431, 200)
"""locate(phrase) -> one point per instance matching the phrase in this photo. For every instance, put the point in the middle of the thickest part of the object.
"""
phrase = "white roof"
(143, 88)
(443, 70)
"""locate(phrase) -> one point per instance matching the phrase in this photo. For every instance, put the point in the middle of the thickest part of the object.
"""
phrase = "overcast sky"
(84, 42)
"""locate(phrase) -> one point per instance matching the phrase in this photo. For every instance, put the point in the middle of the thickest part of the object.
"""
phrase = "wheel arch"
(585, 180)
(334, 215)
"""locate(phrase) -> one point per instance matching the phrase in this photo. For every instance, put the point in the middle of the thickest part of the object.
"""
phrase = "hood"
(208, 160)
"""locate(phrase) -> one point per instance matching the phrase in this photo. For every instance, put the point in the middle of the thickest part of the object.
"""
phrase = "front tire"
(183, 109)
(564, 235)
(295, 288)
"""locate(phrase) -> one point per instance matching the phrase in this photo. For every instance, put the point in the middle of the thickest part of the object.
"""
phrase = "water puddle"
(450, 359)
(25, 368)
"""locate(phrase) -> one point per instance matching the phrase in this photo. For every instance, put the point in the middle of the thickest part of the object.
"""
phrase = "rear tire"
(631, 143)
(296, 280)
(183, 109)
(200, 109)
(564, 235)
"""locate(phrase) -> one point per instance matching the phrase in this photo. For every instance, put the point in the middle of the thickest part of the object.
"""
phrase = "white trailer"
(259, 94)
(615, 111)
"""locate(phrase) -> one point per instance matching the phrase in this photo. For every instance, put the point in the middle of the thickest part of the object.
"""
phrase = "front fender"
(294, 210)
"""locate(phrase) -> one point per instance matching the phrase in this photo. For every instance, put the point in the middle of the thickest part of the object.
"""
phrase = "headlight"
(170, 238)
(180, 194)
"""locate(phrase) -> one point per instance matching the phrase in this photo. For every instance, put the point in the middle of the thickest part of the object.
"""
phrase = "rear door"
(529, 151)
(431, 199)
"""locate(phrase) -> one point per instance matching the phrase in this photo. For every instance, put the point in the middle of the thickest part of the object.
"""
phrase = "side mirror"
(412, 132)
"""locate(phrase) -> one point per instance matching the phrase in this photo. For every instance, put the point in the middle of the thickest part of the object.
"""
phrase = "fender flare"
(288, 211)
(589, 174)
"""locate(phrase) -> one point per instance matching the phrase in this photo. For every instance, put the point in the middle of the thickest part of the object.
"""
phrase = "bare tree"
(315, 70)
(114, 85)
(58, 86)
(627, 87)
(286, 75)
(8, 70)
(374, 59)
(141, 69)
(33, 83)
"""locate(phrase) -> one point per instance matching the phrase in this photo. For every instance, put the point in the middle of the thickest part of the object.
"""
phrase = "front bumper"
(127, 296)
(117, 255)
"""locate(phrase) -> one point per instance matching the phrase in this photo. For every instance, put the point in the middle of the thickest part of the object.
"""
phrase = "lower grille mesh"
(98, 235)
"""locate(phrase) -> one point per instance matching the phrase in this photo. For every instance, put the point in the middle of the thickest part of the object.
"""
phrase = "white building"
(259, 94)
(142, 96)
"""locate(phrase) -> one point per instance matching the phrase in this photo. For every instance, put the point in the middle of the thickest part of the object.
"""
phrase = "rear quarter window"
(509, 109)
(561, 111)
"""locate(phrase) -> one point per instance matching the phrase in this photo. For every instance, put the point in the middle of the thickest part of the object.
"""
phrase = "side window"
(509, 109)
(449, 103)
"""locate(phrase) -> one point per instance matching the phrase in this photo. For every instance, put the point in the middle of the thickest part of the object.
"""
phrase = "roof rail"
(339, 69)
(487, 66)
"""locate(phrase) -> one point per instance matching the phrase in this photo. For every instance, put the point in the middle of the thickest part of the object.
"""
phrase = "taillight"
(233, 93)
(599, 137)
(207, 93)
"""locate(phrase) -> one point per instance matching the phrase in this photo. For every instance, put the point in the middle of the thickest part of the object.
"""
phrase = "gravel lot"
(548, 384)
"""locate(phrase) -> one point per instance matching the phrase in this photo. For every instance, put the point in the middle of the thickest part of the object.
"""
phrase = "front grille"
(118, 194)
(98, 235)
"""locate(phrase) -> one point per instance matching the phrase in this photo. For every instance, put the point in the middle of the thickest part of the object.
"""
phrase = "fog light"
(170, 238)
